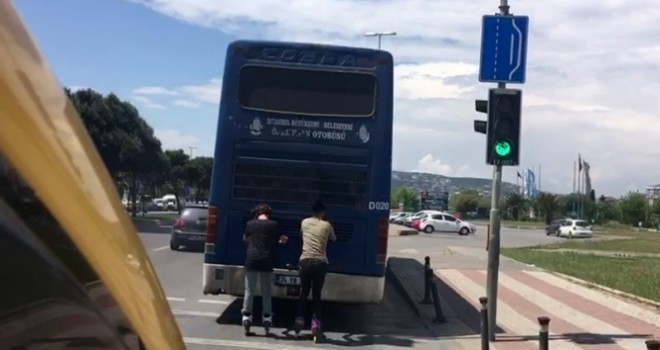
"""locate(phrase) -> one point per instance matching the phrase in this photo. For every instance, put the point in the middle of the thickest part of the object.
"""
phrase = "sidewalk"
(581, 318)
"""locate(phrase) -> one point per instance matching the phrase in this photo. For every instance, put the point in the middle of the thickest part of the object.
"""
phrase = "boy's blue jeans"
(265, 281)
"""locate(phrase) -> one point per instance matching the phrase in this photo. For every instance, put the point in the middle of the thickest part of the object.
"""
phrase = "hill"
(441, 183)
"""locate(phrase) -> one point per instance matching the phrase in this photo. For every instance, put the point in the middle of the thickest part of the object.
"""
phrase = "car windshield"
(581, 223)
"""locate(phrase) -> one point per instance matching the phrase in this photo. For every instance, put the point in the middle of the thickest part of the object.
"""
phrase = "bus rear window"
(307, 92)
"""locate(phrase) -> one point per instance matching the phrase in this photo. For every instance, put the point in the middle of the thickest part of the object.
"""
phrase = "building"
(652, 193)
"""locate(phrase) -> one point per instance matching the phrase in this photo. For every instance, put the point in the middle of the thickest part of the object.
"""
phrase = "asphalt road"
(213, 322)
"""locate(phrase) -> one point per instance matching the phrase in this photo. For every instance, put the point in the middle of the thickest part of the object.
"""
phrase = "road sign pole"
(494, 240)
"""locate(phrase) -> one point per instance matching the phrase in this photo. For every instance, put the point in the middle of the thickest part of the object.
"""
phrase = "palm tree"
(549, 205)
(516, 203)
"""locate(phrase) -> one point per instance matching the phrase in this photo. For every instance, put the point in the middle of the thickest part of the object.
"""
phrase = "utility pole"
(494, 243)
(379, 35)
(191, 148)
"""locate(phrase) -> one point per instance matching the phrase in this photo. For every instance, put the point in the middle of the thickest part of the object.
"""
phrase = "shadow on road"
(389, 323)
(151, 226)
(453, 304)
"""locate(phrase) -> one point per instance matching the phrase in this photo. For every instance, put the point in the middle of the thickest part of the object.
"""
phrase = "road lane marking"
(175, 299)
(242, 344)
(178, 312)
(160, 248)
(208, 301)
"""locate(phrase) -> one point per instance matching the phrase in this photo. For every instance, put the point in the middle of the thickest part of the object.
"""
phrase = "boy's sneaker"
(247, 319)
(267, 319)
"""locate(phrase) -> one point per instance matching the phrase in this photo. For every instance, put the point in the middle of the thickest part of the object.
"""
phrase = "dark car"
(553, 228)
(189, 229)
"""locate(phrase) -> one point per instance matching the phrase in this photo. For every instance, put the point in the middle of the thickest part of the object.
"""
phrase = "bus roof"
(307, 46)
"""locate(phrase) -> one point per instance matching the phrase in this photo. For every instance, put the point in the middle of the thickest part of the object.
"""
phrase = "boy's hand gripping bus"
(297, 123)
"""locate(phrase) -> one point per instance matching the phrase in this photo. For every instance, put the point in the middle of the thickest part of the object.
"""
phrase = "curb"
(593, 285)
(402, 289)
(409, 299)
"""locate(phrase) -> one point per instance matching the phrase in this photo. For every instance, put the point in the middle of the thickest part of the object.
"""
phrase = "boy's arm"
(332, 235)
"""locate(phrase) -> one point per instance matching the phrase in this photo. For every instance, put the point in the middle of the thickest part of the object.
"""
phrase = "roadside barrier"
(431, 292)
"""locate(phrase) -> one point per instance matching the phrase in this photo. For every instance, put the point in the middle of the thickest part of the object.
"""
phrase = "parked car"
(418, 215)
(189, 229)
(415, 223)
(394, 216)
(553, 228)
(443, 222)
(400, 217)
(575, 228)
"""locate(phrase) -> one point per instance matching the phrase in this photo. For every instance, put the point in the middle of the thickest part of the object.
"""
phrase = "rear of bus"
(297, 123)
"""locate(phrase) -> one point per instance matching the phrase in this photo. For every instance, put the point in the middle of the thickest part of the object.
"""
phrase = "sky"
(591, 85)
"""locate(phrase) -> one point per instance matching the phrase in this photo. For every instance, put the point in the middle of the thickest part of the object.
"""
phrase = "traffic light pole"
(494, 242)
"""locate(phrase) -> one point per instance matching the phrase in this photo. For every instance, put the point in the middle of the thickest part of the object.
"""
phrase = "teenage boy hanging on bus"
(262, 234)
(316, 232)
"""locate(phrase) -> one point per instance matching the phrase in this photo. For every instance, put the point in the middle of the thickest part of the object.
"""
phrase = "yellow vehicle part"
(43, 137)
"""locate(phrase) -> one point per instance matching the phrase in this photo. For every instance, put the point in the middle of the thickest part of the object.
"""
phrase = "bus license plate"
(285, 280)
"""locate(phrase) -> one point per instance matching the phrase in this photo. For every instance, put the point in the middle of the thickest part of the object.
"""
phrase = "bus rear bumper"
(230, 279)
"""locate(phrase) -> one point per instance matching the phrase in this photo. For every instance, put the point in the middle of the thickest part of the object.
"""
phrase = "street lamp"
(379, 35)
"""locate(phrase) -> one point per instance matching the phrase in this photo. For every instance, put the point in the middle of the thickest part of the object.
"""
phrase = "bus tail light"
(383, 233)
(211, 224)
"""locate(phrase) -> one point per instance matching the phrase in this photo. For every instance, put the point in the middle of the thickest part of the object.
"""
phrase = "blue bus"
(300, 122)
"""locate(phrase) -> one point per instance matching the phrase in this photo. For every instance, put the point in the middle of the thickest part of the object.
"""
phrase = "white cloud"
(193, 95)
(591, 77)
(208, 92)
(174, 139)
(430, 164)
(185, 103)
(147, 102)
(154, 90)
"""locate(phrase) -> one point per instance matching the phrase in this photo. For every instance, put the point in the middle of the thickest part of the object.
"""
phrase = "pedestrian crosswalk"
(581, 318)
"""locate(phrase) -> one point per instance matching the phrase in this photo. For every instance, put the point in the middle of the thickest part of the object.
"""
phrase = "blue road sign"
(503, 49)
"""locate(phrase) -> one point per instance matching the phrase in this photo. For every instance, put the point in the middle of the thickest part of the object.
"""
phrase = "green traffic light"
(503, 148)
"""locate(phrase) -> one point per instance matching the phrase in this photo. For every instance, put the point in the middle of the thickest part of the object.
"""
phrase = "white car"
(443, 222)
(418, 215)
(575, 228)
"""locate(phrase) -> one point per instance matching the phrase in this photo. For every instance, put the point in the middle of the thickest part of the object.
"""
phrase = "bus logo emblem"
(363, 134)
(256, 127)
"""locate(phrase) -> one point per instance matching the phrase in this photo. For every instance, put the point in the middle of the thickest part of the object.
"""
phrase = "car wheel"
(464, 231)
(429, 229)
(173, 246)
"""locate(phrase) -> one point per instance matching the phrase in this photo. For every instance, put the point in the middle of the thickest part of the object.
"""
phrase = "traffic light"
(503, 136)
(481, 126)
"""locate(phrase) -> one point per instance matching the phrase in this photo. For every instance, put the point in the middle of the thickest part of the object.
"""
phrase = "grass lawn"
(639, 242)
(639, 276)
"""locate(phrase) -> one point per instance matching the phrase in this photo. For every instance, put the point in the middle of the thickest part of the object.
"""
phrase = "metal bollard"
(439, 316)
(428, 276)
(485, 344)
(544, 337)
(652, 344)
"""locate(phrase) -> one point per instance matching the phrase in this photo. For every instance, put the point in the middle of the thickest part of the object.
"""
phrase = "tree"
(466, 202)
(177, 173)
(407, 196)
(122, 137)
(607, 211)
(549, 205)
(198, 176)
(515, 203)
(634, 208)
